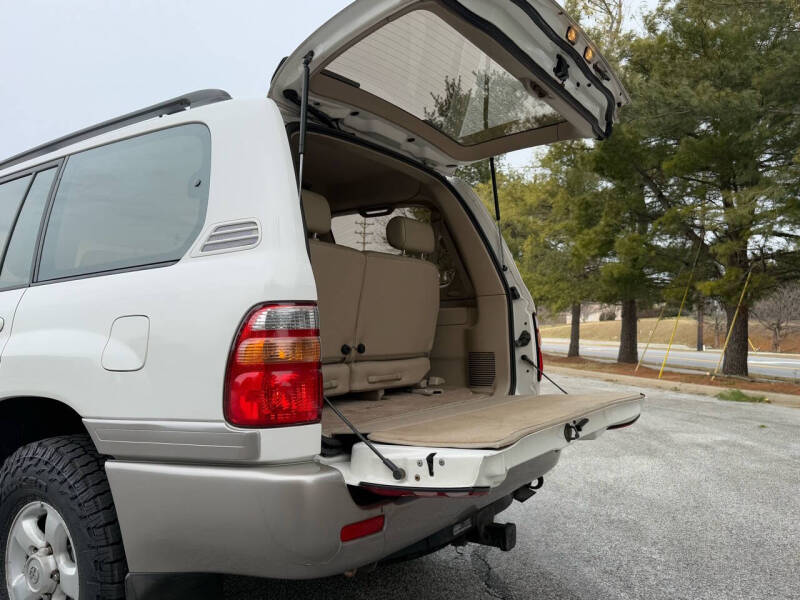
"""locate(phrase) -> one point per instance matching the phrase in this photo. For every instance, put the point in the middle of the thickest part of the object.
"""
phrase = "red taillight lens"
(539, 357)
(273, 375)
(362, 529)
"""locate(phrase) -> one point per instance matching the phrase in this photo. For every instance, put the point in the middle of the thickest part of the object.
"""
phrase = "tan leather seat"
(339, 273)
(397, 311)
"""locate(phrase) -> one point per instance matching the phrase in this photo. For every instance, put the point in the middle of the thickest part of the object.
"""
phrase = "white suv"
(201, 373)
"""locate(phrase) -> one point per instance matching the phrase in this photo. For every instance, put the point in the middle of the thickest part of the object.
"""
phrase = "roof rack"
(168, 107)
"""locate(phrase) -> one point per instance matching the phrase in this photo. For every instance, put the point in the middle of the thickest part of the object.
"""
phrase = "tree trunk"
(700, 319)
(628, 335)
(575, 331)
(735, 362)
(776, 340)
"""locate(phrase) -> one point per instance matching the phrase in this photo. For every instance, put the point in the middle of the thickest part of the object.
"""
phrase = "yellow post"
(650, 339)
(674, 329)
(733, 322)
(680, 310)
(752, 345)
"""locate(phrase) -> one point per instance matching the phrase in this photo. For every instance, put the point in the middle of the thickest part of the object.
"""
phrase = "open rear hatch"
(448, 82)
(465, 443)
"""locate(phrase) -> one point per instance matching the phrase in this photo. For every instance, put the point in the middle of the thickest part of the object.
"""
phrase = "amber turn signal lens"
(572, 35)
(588, 54)
(261, 351)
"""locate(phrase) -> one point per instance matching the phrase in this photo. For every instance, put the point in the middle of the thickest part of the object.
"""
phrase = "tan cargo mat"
(465, 420)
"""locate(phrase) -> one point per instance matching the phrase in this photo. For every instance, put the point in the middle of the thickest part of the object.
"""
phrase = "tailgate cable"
(524, 358)
(397, 472)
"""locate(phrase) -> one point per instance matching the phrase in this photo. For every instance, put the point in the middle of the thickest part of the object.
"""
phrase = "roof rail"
(168, 107)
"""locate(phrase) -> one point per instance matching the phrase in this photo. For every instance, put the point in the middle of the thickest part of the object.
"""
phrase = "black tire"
(67, 473)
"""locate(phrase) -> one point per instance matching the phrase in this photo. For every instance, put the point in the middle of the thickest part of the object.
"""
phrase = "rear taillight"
(273, 377)
(539, 357)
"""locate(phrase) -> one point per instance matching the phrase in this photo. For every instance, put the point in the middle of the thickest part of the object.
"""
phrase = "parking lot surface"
(699, 499)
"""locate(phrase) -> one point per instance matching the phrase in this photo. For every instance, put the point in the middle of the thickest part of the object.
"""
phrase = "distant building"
(595, 311)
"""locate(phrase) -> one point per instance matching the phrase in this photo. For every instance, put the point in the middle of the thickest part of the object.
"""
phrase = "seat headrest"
(410, 235)
(317, 212)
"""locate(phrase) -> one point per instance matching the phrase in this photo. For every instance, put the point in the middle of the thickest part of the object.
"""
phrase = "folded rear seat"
(397, 312)
(377, 311)
(339, 273)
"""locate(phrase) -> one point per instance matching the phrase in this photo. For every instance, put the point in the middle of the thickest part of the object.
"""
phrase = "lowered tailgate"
(469, 446)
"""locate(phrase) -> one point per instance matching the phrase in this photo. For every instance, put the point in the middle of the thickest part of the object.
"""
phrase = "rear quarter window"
(18, 261)
(133, 203)
(11, 195)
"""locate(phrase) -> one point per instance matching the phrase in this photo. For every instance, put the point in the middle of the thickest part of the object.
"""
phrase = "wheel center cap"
(38, 571)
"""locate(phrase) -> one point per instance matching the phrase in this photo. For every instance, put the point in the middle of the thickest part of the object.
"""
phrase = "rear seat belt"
(397, 472)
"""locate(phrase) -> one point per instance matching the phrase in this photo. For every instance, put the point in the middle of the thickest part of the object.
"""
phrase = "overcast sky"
(67, 64)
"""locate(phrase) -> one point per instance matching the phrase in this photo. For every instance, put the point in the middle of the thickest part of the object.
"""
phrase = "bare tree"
(718, 319)
(779, 312)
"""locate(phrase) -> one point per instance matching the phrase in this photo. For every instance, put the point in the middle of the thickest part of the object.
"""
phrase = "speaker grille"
(481, 369)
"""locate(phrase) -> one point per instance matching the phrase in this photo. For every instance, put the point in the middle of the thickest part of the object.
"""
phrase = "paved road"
(698, 500)
(764, 364)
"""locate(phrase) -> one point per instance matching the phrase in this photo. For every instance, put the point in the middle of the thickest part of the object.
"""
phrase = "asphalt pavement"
(764, 364)
(700, 499)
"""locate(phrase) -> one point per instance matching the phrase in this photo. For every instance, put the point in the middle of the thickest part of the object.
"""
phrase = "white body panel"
(194, 307)
(9, 300)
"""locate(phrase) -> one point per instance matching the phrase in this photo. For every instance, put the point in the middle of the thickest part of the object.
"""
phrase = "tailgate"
(469, 447)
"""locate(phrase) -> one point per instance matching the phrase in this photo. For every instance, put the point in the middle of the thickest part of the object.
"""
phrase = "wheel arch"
(26, 419)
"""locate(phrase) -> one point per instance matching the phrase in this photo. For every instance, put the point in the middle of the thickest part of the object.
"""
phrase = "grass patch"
(740, 396)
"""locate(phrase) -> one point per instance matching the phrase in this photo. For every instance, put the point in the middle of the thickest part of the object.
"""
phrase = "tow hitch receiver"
(496, 535)
(488, 533)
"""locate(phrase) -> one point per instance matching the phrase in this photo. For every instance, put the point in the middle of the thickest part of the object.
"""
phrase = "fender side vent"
(232, 236)
(481, 369)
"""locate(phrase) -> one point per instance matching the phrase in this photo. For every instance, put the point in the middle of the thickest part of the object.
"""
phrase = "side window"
(18, 260)
(11, 195)
(369, 233)
(132, 203)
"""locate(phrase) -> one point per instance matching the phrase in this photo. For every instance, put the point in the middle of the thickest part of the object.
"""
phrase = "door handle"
(2, 323)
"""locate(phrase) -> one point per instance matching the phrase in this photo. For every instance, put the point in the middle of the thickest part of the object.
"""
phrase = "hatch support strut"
(301, 144)
(501, 254)
(397, 472)
(525, 358)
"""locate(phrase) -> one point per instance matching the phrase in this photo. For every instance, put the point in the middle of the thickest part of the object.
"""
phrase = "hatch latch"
(572, 431)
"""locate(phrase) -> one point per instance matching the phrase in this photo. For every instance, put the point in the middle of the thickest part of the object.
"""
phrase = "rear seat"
(339, 273)
(398, 310)
(377, 311)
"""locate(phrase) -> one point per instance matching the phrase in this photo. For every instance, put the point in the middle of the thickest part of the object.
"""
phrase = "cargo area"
(416, 348)
(409, 295)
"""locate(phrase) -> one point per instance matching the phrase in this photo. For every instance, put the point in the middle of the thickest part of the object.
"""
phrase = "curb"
(687, 388)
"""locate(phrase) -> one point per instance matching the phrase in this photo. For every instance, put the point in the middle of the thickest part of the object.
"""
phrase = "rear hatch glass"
(425, 67)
